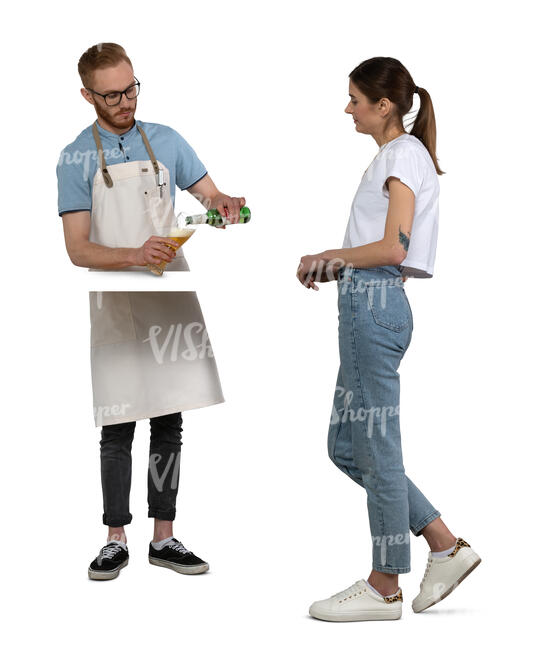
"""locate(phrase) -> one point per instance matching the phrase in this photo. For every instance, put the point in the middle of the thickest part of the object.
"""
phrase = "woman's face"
(362, 112)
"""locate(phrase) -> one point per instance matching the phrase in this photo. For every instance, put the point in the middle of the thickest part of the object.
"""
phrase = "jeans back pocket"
(389, 305)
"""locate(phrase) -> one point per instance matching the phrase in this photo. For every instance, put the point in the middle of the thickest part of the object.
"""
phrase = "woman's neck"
(384, 138)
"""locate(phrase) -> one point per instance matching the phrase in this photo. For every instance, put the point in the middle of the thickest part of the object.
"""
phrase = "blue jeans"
(375, 328)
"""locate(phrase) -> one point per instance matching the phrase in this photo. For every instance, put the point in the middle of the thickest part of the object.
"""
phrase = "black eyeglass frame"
(121, 93)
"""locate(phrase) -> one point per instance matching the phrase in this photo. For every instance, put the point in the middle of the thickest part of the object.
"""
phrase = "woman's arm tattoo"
(403, 238)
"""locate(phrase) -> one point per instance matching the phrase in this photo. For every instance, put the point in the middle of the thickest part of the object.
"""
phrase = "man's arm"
(209, 195)
(82, 252)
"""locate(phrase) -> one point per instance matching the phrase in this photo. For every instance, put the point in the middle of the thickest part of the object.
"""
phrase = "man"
(116, 188)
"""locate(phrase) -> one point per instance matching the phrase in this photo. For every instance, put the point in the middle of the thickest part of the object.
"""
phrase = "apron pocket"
(389, 305)
(111, 317)
(159, 210)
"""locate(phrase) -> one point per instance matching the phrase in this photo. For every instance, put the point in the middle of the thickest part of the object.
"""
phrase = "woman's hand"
(316, 267)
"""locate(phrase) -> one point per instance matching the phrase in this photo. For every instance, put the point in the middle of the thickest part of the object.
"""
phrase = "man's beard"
(111, 116)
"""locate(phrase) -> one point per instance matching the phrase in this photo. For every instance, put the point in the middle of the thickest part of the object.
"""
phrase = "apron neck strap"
(102, 161)
(149, 149)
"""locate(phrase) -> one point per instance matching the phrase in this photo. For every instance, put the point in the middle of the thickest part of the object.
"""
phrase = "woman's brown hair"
(102, 55)
(383, 76)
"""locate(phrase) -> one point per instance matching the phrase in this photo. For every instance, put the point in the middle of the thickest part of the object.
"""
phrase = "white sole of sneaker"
(180, 568)
(472, 562)
(372, 615)
(106, 575)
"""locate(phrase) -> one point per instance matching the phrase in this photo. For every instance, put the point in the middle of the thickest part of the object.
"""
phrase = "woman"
(391, 235)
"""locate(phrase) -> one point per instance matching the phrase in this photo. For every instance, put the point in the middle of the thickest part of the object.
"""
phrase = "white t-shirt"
(408, 159)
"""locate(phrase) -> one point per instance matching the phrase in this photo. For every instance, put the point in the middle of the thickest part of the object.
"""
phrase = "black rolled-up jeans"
(163, 472)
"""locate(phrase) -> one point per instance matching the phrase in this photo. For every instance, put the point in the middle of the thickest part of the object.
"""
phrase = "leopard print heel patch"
(392, 599)
(459, 544)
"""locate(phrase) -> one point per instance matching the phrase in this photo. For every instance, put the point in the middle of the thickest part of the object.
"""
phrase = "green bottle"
(214, 218)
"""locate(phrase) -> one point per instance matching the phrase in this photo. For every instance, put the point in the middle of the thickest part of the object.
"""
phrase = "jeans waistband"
(375, 272)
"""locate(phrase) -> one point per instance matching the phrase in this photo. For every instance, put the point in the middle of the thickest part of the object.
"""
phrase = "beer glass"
(179, 232)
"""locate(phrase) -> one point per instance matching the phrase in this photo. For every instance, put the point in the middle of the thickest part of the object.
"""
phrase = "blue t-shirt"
(78, 161)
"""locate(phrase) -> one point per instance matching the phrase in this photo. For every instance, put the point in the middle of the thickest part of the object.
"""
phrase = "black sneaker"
(109, 562)
(175, 556)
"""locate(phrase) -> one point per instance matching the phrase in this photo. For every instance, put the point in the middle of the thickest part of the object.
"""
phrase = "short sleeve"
(74, 190)
(189, 168)
(405, 163)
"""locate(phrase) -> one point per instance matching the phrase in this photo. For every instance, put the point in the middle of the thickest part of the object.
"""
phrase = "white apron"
(150, 350)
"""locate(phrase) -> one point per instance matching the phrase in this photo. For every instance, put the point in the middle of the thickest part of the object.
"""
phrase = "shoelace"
(428, 565)
(178, 546)
(347, 592)
(108, 552)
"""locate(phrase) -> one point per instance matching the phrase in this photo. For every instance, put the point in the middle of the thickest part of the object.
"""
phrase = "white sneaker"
(358, 603)
(444, 574)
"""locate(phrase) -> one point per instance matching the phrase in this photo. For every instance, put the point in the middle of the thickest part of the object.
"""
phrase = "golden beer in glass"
(178, 233)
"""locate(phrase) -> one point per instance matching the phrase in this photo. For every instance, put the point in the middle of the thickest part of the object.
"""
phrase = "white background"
(259, 91)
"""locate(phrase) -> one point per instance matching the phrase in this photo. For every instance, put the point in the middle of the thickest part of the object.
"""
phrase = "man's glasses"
(114, 98)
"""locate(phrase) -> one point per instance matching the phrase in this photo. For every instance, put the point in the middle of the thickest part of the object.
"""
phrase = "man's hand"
(155, 250)
(228, 206)
(206, 192)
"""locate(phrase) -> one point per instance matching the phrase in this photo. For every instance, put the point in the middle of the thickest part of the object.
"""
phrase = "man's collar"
(104, 133)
